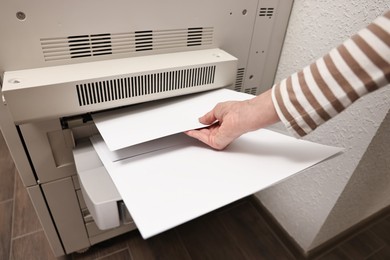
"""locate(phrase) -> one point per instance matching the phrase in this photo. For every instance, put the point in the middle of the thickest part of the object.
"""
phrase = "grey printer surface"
(57, 68)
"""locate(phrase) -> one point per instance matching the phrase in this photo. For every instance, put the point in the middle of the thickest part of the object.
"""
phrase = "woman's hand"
(229, 120)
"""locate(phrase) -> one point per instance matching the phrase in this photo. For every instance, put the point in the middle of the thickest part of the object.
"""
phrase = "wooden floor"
(241, 230)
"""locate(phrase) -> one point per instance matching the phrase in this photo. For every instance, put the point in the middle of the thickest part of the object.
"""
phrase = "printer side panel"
(15, 146)
(63, 203)
(267, 42)
(15, 143)
(45, 217)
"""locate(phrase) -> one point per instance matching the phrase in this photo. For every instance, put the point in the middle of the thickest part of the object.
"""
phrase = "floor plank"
(139, 248)
(168, 246)
(382, 254)
(163, 246)
(252, 235)
(382, 230)
(7, 172)
(207, 238)
(362, 245)
(121, 255)
(25, 217)
(104, 248)
(33, 246)
(336, 254)
(5, 228)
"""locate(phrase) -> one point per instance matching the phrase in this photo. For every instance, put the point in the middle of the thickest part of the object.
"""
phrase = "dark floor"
(241, 230)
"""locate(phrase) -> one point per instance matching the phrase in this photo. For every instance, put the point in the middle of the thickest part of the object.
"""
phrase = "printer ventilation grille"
(134, 86)
(252, 91)
(266, 12)
(239, 79)
(89, 45)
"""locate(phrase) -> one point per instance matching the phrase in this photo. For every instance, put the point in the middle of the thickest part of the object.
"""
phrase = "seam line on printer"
(38, 182)
(27, 153)
(52, 219)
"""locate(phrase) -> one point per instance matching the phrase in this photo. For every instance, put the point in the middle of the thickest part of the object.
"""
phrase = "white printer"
(63, 61)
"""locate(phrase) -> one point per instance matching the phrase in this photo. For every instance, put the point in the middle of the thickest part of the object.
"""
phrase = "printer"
(61, 62)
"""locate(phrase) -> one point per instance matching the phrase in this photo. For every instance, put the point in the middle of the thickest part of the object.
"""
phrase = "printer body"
(63, 61)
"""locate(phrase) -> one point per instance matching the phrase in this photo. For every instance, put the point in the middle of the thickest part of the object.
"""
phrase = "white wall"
(328, 198)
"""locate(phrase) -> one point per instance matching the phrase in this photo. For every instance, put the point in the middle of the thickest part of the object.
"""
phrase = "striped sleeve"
(323, 89)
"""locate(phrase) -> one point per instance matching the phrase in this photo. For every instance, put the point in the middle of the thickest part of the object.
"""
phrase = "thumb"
(208, 119)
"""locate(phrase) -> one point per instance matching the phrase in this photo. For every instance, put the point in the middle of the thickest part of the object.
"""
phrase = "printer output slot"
(75, 121)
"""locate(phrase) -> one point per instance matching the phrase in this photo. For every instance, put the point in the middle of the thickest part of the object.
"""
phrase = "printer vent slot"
(126, 43)
(252, 91)
(266, 12)
(144, 40)
(239, 79)
(89, 45)
(130, 87)
(194, 36)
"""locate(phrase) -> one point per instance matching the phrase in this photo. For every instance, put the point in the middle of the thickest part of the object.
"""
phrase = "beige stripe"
(380, 33)
(302, 112)
(383, 65)
(387, 14)
(325, 88)
(357, 69)
(285, 112)
(343, 83)
(312, 100)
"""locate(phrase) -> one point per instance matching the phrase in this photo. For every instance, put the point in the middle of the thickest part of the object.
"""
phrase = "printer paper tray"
(170, 186)
(171, 180)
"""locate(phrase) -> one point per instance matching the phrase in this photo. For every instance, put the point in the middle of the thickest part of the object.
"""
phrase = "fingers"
(202, 135)
(218, 134)
(216, 114)
(210, 137)
(197, 134)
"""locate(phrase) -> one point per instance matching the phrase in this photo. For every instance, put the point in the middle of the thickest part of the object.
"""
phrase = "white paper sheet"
(152, 120)
(172, 185)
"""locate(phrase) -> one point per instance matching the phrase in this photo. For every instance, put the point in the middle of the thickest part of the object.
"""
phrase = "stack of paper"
(168, 181)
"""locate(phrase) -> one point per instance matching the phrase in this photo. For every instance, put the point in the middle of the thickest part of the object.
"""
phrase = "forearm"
(320, 91)
(263, 111)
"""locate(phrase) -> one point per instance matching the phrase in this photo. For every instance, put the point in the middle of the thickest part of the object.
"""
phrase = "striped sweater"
(323, 89)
